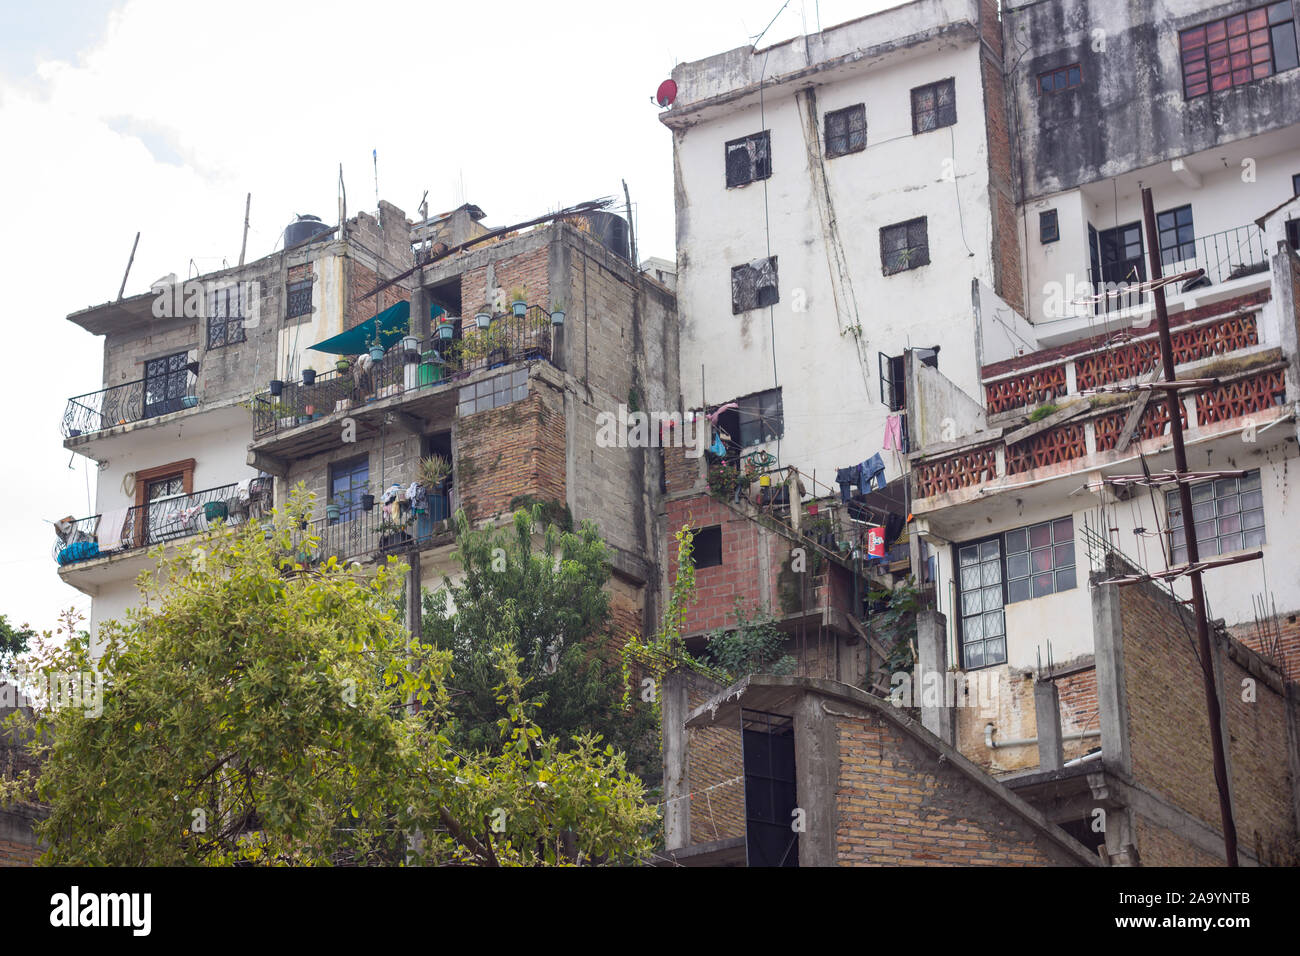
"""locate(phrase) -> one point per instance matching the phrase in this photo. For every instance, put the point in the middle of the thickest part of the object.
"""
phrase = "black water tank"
(302, 229)
(611, 231)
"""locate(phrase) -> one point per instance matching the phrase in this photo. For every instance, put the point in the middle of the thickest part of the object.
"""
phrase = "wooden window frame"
(145, 476)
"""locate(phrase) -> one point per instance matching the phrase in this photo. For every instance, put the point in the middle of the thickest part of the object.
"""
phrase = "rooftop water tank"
(611, 231)
(302, 229)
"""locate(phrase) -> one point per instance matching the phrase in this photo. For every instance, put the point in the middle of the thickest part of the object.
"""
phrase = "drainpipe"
(990, 730)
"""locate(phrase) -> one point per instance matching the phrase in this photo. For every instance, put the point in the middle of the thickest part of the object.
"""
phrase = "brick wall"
(898, 805)
(715, 760)
(1286, 654)
(739, 575)
(682, 472)
(1163, 847)
(530, 269)
(1008, 281)
(517, 449)
(1169, 729)
(362, 281)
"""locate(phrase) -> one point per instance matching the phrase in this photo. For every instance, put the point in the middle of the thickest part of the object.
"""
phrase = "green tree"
(753, 646)
(14, 641)
(257, 710)
(539, 591)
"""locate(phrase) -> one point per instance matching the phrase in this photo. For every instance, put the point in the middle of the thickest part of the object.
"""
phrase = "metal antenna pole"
(1175, 400)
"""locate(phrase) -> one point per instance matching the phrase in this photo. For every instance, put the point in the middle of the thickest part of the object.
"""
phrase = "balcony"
(364, 535)
(302, 420)
(161, 521)
(1225, 256)
(130, 403)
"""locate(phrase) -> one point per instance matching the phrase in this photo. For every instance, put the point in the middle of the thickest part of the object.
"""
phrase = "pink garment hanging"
(893, 432)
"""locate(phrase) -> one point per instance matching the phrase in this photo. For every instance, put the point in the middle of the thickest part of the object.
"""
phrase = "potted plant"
(277, 386)
(446, 328)
(432, 471)
(376, 350)
(557, 313)
(214, 510)
(367, 499)
(309, 376)
(519, 300)
(484, 317)
(411, 346)
(335, 507)
(342, 365)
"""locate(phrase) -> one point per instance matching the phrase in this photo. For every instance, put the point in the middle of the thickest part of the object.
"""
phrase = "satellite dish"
(666, 93)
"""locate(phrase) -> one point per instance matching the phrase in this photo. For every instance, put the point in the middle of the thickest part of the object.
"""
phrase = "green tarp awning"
(392, 324)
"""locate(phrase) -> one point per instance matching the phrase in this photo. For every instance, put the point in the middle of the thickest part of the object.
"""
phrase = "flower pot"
(277, 386)
(189, 401)
(309, 376)
(376, 353)
(268, 534)
(367, 502)
(520, 308)
(411, 344)
(332, 512)
(214, 510)
(483, 320)
(446, 330)
(74, 432)
(342, 366)
(557, 317)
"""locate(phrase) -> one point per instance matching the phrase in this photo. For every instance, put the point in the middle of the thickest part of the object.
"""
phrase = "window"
(904, 246)
(348, 480)
(166, 383)
(846, 130)
(299, 295)
(1295, 185)
(754, 286)
(749, 159)
(1067, 77)
(1040, 559)
(1121, 254)
(767, 754)
(1228, 514)
(708, 547)
(1239, 49)
(892, 382)
(226, 316)
(493, 392)
(983, 624)
(1049, 230)
(934, 106)
(756, 419)
(1177, 242)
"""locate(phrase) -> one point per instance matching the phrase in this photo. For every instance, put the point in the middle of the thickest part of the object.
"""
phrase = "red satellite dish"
(666, 93)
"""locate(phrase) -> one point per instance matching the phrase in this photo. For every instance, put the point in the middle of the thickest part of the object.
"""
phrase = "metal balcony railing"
(160, 521)
(131, 402)
(509, 338)
(358, 533)
(1231, 254)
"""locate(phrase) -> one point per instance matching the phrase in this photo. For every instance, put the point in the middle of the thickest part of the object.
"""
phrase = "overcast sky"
(159, 116)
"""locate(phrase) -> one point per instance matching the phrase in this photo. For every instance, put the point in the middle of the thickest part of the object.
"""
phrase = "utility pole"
(1189, 532)
(243, 246)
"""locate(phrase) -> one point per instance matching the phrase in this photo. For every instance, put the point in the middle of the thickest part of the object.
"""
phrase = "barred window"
(299, 295)
(754, 286)
(934, 106)
(226, 314)
(1040, 559)
(904, 246)
(749, 159)
(846, 130)
(1228, 514)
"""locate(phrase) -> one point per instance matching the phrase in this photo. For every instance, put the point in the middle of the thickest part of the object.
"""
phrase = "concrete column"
(817, 768)
(673, 703)
(932, 670)
(1112, 693)
(419, 312)
(1047, 715)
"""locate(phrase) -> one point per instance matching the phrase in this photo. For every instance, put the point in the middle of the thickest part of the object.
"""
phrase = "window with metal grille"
(1238, 49)
(892, 390)
(846, 130)
(904, 246)
(1228, 514)
(226, 316)
(754, 286)
(708, 547)
(348, 481)
(749, 159)
(166, 383)
(983, 623)
(493, 392)
(1049, 228)
(299, 296)
(1065, 78)
(1040, 559)
(934, 106)
(771, 798)
(1177, 236)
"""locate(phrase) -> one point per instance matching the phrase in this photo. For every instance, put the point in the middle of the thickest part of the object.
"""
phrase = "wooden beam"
(1135, 413)
(1033, 428)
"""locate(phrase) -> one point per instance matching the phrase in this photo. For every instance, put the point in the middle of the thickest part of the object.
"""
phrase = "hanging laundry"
(894, 432)
(717, 448)
(872, 472)
(846, 478)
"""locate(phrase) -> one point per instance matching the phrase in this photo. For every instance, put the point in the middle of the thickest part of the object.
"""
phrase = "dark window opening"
(1293, 234)
(749, 159)
(1065, 78)
(1084, 831)
(348, 482)
(771, 796)
(1239, 49)
(1177, 238)
(299, 298)
(1121, 261)
(1049, 229)
(226, 314)
(755, 420)
(904, 246)
(754, 286)
(892, 382)
(846, 130)
(708, 547)
(934, 106)
(166, 383)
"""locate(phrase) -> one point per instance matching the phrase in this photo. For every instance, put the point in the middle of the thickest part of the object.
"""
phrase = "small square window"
(934, 106)
(846, 130)
(749, 159)
(754, 286)
(708, 547)
(904, 246)
(299, 296)
(1049, 229)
